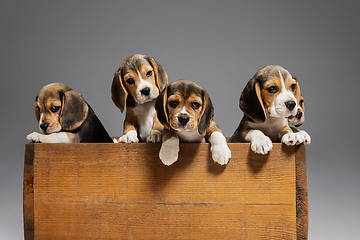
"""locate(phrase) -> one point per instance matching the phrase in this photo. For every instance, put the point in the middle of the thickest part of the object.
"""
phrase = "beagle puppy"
(186, 111)
(65, 117)
(297, 121)
(268, 99)
(136, 85)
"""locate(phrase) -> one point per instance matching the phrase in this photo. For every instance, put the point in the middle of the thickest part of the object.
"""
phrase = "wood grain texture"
(302, 201)
(123, 191)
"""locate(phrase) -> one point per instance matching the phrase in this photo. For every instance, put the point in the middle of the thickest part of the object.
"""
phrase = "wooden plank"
(302, 201)
(28, 193)
(122, 191)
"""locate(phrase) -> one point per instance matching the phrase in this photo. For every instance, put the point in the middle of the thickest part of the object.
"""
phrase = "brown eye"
(173, 104)
(54, 109)
(195, 105)
(149, 73)
(130, 81)
(293, 86)
(273, 89)
(37, 108)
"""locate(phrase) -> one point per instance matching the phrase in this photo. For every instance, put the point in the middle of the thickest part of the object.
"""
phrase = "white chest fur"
(145, 118)
(191, 136)
(272, 127)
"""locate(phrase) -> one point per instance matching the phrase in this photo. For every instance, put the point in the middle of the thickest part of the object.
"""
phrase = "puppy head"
(299, 117)
(140, 77)
(184, 106)
(58, 108)
(273, 92)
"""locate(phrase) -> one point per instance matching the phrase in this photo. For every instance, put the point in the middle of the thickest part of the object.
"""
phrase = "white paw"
(262, 145)
(129, 137)
(220, 153)
(155, 137)
(169, 151)
(290, 139)
(303, 137)
(35, 137)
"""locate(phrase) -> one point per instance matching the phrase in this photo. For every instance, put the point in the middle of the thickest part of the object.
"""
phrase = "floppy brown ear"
(297, 92)
(251, 102)
(161, 109)
(207, 112)
(37, 113)
(118, 91)
(161, 77)
(74, 110)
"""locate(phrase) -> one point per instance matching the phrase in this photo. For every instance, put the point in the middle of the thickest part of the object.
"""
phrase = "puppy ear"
(251, 102)
(74, 110)
(37, 113)
(207, 112)
(118, 91)
(161, 77)
(297, 92)
(161, 109)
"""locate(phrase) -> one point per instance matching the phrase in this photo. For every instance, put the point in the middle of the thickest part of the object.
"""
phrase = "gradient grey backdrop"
(219, 45)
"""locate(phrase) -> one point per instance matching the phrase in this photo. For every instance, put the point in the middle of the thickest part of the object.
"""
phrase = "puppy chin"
(50, 130)
(141, 99)
(181, 128)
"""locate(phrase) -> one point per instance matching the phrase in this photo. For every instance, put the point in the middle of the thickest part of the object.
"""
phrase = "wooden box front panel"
(123, 191)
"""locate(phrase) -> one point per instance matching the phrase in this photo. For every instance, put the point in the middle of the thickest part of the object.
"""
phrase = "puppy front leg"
(260, 143)
(130, 131)
(219, 148)
(302, 136)
(169, 150)
(156, 132)
(61, 137)
(288, 137)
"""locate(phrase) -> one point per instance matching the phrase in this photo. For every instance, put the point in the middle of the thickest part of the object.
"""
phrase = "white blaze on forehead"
(282, 81)
(141, 83)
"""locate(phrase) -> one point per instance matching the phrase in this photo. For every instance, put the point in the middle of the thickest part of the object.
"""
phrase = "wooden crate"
(123, 191)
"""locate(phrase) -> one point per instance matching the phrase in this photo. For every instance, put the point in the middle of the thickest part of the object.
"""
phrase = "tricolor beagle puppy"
(267, 101)
(297, 120)
(136, 85)
(65, 117)
(186, 112)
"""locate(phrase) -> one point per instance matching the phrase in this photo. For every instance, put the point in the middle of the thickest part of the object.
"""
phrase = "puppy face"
(140, 77)
(58, 108)
(299, 117)
(273, 92)
(184, 106)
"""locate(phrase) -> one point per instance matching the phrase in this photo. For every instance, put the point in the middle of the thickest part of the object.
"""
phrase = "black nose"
(44, 126)
(145, 91)
(290, 105)
(183, 120)
(299, 115)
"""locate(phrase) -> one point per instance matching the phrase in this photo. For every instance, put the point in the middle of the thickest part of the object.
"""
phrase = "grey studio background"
(217, 44)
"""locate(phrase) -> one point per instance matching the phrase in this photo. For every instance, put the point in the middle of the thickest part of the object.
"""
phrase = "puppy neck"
(145, 118)
(272, 127)
(190, 136)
